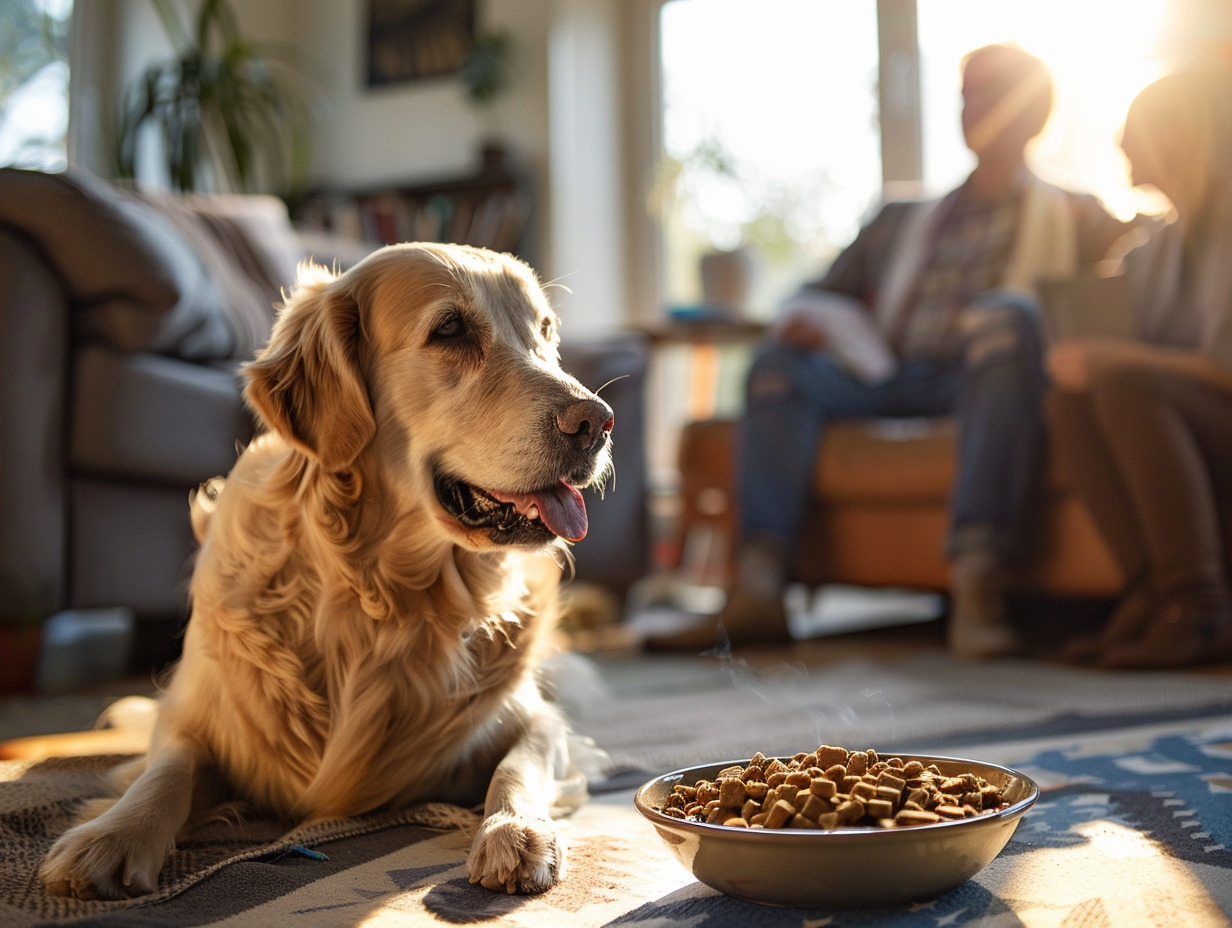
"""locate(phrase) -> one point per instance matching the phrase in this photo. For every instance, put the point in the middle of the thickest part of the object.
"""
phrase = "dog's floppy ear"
(306, 384)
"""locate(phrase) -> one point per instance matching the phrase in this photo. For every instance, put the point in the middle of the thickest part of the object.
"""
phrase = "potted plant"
(230, 113)
(486, 74)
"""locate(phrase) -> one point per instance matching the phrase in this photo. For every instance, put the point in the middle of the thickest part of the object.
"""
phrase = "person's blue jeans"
(995, 389)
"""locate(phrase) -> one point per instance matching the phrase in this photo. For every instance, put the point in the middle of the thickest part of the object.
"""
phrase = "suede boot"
(1188, 628)
(754, 614)
(979, 625)
(1126, 624)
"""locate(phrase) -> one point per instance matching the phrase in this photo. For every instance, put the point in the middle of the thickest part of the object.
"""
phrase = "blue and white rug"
(1134, 826)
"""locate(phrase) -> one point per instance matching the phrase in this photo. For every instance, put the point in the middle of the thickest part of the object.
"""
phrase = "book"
(1086, 305)
(848, 330)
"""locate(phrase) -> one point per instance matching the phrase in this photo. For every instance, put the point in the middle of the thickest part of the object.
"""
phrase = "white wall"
(584, 102)
(422, 128)
(641, 143)
(561, 119)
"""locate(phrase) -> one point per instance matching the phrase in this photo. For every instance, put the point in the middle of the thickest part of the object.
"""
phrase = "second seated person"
(1144, 425)
(946, 286)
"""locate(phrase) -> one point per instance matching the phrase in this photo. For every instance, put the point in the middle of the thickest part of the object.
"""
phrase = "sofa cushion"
(249, 249)
(899, 460)
(132, 280)
(903, 461)
(130, 545)
(191, 277)
(139, 415)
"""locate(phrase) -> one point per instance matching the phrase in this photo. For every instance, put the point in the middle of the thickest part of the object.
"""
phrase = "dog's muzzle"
(553, 510)
(516, 518)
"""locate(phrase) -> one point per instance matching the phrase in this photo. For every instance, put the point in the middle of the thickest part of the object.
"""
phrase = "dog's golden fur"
(369, 600)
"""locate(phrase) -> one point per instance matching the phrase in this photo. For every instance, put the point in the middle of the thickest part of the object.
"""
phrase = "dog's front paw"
(516, 853)
(93, 862)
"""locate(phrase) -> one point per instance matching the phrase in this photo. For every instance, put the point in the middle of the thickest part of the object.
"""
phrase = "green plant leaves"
(231, 114)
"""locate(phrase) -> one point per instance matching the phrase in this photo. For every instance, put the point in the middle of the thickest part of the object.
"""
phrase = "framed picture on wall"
(412, 39)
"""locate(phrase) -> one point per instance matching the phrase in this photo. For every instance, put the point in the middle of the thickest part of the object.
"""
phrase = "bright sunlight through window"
(769, 131)
(770, 112)
(1100, 52)
(34, 83)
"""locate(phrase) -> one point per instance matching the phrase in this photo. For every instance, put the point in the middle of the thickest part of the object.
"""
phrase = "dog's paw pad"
(516, 854)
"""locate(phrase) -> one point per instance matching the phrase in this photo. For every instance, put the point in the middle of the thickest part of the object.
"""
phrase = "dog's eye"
(464, 340)
(451, 327)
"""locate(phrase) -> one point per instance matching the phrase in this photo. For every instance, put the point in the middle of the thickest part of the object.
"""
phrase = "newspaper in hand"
(848, 331)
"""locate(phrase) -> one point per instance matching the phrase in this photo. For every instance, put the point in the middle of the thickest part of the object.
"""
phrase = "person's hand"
(800, 330)
(1073, 363)
(1068, 366)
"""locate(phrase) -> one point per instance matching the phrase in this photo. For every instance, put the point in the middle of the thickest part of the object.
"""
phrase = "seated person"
(946, 287)
(1145, 426)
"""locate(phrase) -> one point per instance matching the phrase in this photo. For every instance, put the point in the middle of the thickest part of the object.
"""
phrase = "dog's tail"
(125, 727)
(201, 505)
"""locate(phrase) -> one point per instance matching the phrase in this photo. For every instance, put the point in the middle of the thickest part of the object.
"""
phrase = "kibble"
(830, 788)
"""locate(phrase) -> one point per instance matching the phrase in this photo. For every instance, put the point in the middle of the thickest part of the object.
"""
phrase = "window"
(770, 118)
(1100, 53)
(34, 83)
(770, 137)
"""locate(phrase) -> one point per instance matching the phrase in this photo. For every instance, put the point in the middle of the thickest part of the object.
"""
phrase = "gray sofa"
(123, 319)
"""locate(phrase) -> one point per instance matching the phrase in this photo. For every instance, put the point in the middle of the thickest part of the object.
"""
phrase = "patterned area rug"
(1134, 828)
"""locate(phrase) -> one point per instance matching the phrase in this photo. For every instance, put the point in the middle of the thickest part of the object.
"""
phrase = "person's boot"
(1187, 628)
(754, 614)
(1128, 621)
(979, 625)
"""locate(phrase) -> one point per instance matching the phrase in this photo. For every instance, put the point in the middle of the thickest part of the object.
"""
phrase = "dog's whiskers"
(557, 282)
(610, 382)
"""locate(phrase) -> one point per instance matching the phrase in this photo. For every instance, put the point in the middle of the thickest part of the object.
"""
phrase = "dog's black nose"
(585, 422)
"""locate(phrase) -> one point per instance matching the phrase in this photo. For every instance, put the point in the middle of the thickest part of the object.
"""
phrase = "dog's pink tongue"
(561, 508)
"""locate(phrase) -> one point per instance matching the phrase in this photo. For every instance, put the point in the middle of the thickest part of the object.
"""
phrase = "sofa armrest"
(33, 383)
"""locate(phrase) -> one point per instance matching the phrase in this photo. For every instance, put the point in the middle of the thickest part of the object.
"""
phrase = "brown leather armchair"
(879, 513)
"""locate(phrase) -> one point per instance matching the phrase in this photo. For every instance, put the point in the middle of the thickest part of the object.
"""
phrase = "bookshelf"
(490, 208)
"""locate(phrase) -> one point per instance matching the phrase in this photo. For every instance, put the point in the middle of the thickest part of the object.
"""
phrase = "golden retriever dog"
(367, 613)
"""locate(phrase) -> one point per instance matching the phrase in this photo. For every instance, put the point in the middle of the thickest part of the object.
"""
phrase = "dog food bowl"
(849, 867)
